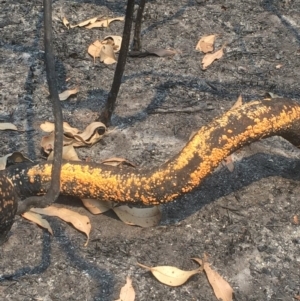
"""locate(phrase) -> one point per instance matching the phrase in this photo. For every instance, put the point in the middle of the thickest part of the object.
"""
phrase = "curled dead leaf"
(12, 158)
(97, 206)
(49, 127)
(209, 58)
(84, 23)
(66, 94)
(94, 49)
(38, 219)
(169, 275)
(104, 22)
(79, 221)
(92, 134)
(107, 55)
(68, 153)
(114, 41)
(143, 217)
(47, 142)
(206, 44)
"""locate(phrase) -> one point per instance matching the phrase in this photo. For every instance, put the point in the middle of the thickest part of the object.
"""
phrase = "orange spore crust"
(202, 154)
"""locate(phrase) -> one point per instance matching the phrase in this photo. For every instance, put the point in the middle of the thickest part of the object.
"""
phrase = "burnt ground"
(242, 219)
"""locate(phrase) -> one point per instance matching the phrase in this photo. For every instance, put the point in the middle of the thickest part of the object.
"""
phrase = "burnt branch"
(54, 188)
(137, 44)
(105, 116)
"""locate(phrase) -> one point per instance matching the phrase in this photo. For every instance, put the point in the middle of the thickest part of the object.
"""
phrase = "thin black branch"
(105, 116)
(137, 45)
(54, 188)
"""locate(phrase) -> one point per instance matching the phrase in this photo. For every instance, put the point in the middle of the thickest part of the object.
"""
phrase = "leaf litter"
(95, 22)
(66, 22)
(209, 58)
(173, 276)
(116, 161)
(66, 94)
(79, 221)
(38, 219)
(170, 275)
(143, 217)
(12, 158)
(206, 44)
(97, 206)
(7, 126)
(220, 286)
(68, 153)
(105, 49)
(72, 136)
(127, 292)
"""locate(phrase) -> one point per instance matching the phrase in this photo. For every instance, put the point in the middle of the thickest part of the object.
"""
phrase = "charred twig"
(199, 108)
(137, 45)
(54, 188)
(105, 116)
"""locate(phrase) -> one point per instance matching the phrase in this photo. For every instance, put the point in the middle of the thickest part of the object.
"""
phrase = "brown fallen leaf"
(84, 23)
(92, 134)
(296, 220)
(114, 41)
(228, 163)
(107, 55)
(209, 58)
(143, 217)
(97, 206)
(94, 49)
(206, 44)
(297, 297)
(104, 22)
(47, 142)
(169, 275)
(66, 94)
(115, 161)
(127, 291)
(269, 95)
(72, 136)
(49, 127)
(79, 221)
(238, 102)
(37, 219)
(68, 153)
(7, 126)
(12, 158)
(66, 22)
(220, 286)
